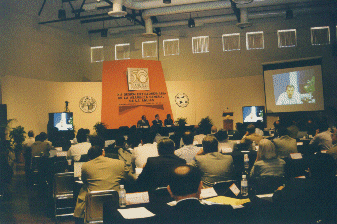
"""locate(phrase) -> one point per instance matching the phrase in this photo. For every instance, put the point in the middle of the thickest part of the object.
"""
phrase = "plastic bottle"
(244, 186)
(246, 161)
(254, 146)
(122, 197)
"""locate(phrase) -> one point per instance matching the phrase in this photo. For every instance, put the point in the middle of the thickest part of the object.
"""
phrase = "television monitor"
(253, 114)
(294, 86)
(62, 121)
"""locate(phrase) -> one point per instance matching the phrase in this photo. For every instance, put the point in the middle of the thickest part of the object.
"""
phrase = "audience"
(30, 140)
(188, 151)
(213, 165)
(292, 127)
(285, 144)
(146, 150)
(267, 163)
(322, 139)
(333, 150)
(309, 200)
(251, 137)
(156, 172)
(41, 147)
(225, 146)
(100, 173)
(81, 148)
(185, 187)
(239, 132)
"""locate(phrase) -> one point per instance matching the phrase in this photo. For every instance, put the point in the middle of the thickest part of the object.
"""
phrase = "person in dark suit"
(156, 172)
(157, 122)
(143, 122)
(185, 188)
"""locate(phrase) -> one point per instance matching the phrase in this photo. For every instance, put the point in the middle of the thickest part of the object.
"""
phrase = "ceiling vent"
(117, 9)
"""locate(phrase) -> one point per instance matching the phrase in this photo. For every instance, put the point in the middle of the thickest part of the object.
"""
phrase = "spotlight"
(104, 33)
(289, 14)
(62, 14)
(166, 1)
(191, 23)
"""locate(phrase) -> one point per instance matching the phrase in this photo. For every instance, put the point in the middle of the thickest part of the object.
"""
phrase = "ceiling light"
(166, 1)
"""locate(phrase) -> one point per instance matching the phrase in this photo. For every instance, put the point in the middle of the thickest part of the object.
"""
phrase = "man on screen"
(290, 96)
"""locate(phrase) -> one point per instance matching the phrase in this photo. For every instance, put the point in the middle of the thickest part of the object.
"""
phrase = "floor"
(27, 204)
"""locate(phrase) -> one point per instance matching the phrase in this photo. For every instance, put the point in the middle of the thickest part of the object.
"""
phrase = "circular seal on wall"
(182, 100)
(142, 76)
(88, 104)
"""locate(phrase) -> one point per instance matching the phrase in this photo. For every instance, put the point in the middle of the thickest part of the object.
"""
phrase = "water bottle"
(244, 186)
(122, 197)
(246, 161)
(254, 146)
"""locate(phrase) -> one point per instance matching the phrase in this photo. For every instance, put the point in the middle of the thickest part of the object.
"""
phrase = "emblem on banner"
(138, 79)
(182, 100)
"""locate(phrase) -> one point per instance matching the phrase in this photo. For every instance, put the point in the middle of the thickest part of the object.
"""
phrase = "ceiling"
(92, 16)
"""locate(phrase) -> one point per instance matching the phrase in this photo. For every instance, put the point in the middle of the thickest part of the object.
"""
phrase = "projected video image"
(296, 87)
(63, 121)
(253, 114)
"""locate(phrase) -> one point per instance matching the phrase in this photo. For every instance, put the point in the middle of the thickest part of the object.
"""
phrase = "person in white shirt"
(290, 96)
(81, 148)
(323, 137)
(188, 151)
(31, 139)
(141, 153)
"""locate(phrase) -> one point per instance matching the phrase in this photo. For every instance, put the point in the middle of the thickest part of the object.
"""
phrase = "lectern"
(227, 122)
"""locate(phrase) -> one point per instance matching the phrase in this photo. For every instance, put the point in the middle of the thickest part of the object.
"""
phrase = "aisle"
(26, 205)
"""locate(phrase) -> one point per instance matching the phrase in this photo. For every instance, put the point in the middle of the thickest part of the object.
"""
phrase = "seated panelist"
(157, 122)
(143, 122)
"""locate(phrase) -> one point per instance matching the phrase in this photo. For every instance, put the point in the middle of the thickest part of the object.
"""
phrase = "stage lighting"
(191, 23)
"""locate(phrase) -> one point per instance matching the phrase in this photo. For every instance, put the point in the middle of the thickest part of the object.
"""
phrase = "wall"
(30, 100)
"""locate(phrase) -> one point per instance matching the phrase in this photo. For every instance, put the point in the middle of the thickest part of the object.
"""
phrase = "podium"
(227, 123)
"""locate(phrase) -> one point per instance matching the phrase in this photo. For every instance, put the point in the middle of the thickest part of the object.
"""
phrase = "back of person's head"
(239, 126)
(95, 140)
(143, 117)
(210, 144)
(133, 140)
(43, 136)
(221, 135)
(251, 129)
(322, 166)
(214, 129)
(148, 137)
(156, 116)
(267, 150)
(188, 138)
(185, 180)
(81, 137)
(120, 140)
(87, 131)
(165, 147)
(282, 131)
(31, 134)
(38, 138)
(94, 152)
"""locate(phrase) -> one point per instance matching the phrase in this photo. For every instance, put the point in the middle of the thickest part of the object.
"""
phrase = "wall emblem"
(88, 104)
(138, 79)
(182, 100)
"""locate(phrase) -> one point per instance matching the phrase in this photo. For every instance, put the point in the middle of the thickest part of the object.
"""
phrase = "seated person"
(333, 150)
(251, 137)
(156, 172)
(213, 165)
(41, 147)
(185, 187)
(199, 136)
(157, 122)
(322, 140)
(214, 130)
(112, 150)
(81, 148)
(311, 199)
(100, 173)
(168, 120)
(284, 144)
(267, 163)
(143, 122)
(224, 144)
(188, 151)
(239, 132)
(142, 152)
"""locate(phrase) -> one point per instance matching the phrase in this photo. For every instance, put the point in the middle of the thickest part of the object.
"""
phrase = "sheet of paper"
(226, 150)
(137, 198)
(299, 143)
(208, 193)
(235, 189)
(135, 213)
(264, 195)
(296, 155)
(228, 201)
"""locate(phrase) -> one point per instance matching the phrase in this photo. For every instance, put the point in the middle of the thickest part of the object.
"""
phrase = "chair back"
(63, 184)
(222, 188)
(160, 195)
(266, 184)
(94, 202)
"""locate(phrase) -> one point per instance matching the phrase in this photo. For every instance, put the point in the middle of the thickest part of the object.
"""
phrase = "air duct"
(244, 19)
(148, 28)
(117, 9)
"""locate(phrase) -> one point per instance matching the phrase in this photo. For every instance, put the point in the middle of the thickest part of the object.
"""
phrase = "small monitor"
(253, 114)
(62, 121)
